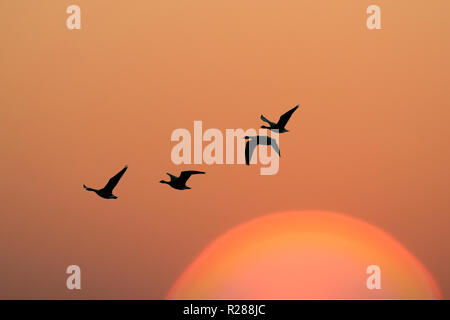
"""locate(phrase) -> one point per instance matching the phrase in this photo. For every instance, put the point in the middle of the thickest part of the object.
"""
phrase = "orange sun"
(304, 255)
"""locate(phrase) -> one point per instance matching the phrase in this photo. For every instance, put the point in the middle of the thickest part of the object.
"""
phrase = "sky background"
(370, 139)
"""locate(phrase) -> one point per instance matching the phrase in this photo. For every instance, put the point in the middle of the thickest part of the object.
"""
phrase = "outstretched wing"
(285, 117)
(268, 121)
(172, 177)
(114, 181)
(275, 146)
(185, 175)
(249, 148)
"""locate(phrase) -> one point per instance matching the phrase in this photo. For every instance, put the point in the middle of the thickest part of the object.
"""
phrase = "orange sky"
(371, 139)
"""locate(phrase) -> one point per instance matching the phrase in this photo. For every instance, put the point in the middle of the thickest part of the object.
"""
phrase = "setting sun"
(304, 255)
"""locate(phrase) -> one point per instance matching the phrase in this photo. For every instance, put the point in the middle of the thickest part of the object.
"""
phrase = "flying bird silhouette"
(281, 124)
(253, 142)
(106, 192)
(179, 183)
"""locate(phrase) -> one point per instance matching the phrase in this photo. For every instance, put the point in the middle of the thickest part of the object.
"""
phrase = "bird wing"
(114, 180)
(268, 121)
(172, 177)
(285, 117)
(185, 175)
(275, 146)
(249, 148)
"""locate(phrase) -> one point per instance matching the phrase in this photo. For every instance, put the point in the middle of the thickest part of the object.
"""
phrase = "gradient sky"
(371, 139)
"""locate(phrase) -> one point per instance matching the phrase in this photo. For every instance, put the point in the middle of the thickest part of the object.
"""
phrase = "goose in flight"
(179, 183)
(281, 124)
(252, 143)
(106, 192)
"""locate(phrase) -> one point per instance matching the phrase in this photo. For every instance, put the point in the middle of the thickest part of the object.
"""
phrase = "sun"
(304, 255)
